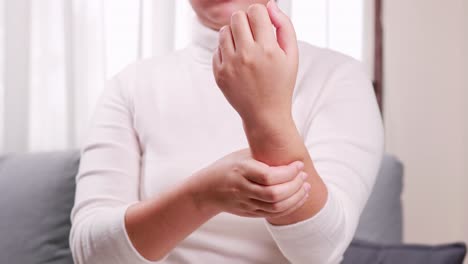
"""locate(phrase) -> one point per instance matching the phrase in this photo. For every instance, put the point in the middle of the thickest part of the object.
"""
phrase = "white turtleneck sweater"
(163, 119)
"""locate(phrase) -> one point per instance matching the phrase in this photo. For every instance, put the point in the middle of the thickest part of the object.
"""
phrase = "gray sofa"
(37, 193)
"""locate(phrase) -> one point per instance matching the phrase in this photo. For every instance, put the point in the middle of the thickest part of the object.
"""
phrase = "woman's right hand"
(241, 185)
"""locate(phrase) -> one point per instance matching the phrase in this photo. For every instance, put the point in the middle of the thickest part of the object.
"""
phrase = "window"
(67, 49)
(334, 24)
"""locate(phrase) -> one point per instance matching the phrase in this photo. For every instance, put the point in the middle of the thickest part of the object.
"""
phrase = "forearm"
(278, 142)
(156, 226)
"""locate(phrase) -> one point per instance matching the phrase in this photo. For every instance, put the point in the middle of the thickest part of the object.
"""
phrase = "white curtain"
(57, 55)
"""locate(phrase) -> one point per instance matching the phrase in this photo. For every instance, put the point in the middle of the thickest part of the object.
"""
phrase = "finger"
(260, 24)
(285, 32)
(292, 209)
(283, 174)
(217, 60)
(241, 30)
(255, 171)
(268, 215)
(226, 43)
(280, 192)
(275, 209)
(265, 175)
(252, 215)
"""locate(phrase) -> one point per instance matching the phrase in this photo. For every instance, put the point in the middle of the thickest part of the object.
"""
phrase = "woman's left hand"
(255, 69)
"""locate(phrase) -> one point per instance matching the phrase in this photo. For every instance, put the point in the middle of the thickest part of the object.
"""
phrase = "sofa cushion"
(381, 220)
(36, 197)
(370, 253)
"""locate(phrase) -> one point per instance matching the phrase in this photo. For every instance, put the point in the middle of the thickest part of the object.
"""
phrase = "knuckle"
(222, 39)
(277, 207)
(255, 8)
(269, 51)
(230, 192)
(246, 59)
(240, 166)
(244, 207)
(224, 49)
(272, 195)
(221, 72)
(226, 34)
(236, 16)
(298, 185)
(236, 192)
(221, 76)
(265, 179)
(262, 179)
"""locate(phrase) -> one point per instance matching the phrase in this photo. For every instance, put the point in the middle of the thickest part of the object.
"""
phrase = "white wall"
(426, 114)
(465, 67)
(2, 86)
(368, 37)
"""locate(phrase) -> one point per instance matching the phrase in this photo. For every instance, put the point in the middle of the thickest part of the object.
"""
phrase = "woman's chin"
(221, 14)
(217, 13)
(218, 18)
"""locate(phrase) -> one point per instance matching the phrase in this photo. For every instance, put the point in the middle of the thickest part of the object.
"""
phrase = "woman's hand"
(240, 185)
(255, 69)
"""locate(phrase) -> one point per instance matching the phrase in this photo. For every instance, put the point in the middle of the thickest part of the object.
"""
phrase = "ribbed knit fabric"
(162, 119)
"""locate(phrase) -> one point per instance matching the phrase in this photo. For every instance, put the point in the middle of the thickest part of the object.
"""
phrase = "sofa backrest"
(37, 194)
(381, 221)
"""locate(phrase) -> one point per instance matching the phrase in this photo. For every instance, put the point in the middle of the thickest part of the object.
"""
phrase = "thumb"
(285, 32)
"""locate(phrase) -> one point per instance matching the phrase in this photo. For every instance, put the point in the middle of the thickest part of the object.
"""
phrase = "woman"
(204, 155)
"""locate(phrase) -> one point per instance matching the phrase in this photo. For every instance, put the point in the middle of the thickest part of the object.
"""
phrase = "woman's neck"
(205, 41)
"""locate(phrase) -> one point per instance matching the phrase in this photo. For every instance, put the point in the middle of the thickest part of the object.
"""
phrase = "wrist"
(270, 120)
(277, 131)
(270, 141)
(200, 197)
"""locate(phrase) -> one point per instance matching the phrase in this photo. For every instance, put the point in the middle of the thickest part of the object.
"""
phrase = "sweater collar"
(205, 41)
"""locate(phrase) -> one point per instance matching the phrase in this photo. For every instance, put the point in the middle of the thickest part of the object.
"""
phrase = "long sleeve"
(107, 183)
(344, 135)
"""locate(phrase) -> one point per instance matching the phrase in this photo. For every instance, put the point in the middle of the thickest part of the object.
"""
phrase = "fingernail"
(304, 176)
(300, 165)
(222, 29)
(307, 187)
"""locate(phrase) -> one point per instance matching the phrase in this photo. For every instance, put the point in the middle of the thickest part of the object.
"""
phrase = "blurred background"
(55, 56)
